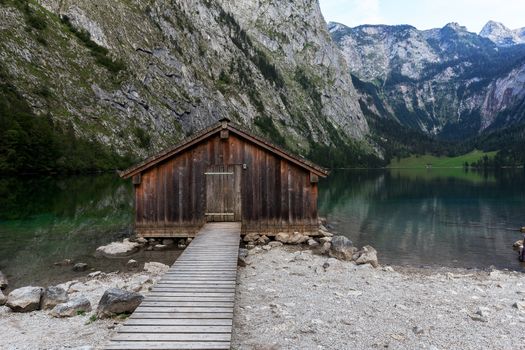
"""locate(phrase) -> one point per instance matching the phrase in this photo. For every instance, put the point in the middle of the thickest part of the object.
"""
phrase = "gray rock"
(118, 249)
(159, 247)
(312, 242)
(263, 240)
(155, 268)
(241, 261)
(3, 281)
(52, 297)
(65, 262)
(95, 274)
(72, 308)
(168, 241)
(342, 248)
(80, 267)
(291, 238)
(3, 298)
(275, 244)
(188, 240)
(141, 240)
(418, 330)
(132, 264)
(518, 243)
(520, 305)
(117, 301)
(251, 237)
(367, 255)
(243, 253)
(25, 299)
(479, 318)
(325, 249)
(325, 239)
(137, 283)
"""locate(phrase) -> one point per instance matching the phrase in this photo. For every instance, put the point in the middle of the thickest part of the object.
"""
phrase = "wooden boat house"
(224, 173)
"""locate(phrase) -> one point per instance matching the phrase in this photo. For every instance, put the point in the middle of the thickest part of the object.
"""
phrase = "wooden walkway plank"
(191, 306)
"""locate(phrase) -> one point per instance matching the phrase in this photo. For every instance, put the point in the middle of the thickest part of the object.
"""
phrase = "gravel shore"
(289, 298)
(298, 300)
(38, 330)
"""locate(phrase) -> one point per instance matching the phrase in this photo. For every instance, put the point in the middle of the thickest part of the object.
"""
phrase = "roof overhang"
(223, 124)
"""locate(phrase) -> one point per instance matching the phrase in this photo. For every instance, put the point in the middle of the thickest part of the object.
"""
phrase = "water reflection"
(45, 220)
(429, 217)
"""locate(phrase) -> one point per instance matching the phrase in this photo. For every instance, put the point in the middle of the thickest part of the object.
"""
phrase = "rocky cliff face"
(446, 82)
(150, 72)
(499, 34)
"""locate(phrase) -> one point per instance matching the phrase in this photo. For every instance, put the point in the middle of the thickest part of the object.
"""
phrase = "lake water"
(46, 220)
(445, 217)
(413, 217)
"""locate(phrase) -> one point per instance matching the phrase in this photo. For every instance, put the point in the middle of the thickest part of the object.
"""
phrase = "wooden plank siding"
(275, 194)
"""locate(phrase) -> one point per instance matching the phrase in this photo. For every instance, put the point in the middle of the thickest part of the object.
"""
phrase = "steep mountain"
(446, 82)
(135, 76)
(501, 35)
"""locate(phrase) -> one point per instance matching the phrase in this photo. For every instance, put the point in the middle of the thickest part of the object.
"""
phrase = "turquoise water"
(49, 219)
(413, 217)
(445, 217)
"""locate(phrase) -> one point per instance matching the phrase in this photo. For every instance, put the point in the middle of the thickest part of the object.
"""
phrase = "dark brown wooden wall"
(276, 195)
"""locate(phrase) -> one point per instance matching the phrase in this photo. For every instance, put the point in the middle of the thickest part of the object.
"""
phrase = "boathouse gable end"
(224, 173)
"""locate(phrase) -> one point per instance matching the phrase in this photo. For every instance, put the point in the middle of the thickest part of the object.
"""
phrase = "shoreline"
(290, 297)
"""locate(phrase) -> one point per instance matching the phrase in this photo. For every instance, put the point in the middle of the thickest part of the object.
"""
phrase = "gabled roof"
(223, 124)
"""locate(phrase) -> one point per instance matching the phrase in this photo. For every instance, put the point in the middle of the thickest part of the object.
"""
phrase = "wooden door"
(223, 193)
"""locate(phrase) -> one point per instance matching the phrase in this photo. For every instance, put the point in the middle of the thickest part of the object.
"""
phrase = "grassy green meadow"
(421, 161)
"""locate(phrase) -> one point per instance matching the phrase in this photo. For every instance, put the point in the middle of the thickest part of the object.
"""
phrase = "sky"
(425, 14)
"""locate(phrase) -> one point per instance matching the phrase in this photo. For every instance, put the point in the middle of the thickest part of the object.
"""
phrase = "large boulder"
(118, 249)
(291, 238)
(367, 255)
(3, 298)
(342, 248)
(251, 237)
(118, 301)
(52, 297)
(72, 308)
(3, 281)
(25, 299)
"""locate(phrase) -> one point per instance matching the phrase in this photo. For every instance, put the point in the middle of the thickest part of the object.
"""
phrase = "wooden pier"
(191, 307)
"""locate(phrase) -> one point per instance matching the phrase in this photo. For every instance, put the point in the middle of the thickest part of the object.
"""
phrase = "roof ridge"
(208, 131)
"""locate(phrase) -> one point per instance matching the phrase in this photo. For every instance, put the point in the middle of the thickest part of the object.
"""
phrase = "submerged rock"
(25, 299)
(72, 308)
(53, 296)
(132, 264)
(3, 281)
(342, 248)
(367, 255)
(118, 249)
(117, 301)
(80, 267)
(159, 247)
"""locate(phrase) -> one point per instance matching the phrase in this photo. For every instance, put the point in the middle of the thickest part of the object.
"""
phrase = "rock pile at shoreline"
(75, 298)
(323, 241)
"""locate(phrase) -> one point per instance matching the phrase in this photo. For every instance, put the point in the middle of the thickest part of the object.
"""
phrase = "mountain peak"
(456, 27)
(500, 35)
